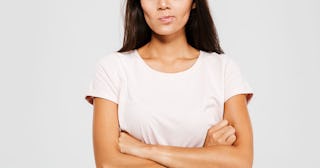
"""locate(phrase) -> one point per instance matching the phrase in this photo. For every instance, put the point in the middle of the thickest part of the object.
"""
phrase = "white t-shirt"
(174, 109)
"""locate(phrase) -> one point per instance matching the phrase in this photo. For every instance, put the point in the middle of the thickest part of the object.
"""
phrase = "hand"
(221, 133)
(131, 145)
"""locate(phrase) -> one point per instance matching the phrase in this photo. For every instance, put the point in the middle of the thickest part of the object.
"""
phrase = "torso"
(174, 108)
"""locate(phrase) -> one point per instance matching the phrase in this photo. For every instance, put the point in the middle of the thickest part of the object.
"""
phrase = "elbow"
(244, 162)
(103, 165)
(244, 159)
(108, 162)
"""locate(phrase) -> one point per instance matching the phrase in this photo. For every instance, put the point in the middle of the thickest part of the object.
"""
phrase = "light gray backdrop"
(48, 49)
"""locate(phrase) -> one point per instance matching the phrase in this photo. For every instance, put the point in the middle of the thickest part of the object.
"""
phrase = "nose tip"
(163, 4)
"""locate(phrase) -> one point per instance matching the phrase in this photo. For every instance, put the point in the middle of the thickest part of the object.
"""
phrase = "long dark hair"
(200, 30)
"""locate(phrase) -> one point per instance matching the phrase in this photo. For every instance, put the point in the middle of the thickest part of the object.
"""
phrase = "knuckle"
(215, 136)
(212, 128)
(234, 137)
(220, 141)
(228, 141)
(210, 131)
(224, 122)
(231, 128)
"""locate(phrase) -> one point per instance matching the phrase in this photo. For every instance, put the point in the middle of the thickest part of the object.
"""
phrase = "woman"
(170, 97)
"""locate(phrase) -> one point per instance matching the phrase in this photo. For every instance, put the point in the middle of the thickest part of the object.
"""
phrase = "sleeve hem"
(89, 98)
(249, 95)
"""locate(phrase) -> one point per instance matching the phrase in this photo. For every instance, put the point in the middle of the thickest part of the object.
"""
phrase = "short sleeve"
(106, 81)
(234, 81)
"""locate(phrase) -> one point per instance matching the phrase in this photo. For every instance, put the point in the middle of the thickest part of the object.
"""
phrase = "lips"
(166, 19)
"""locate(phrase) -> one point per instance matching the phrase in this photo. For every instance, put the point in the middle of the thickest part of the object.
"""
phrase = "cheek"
(148, 12)
(186, 16)
(183, 17)
(149, 19)
(182, 11)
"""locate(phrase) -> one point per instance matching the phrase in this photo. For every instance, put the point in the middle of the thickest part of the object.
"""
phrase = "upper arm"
(237, 94)
(105, 130)
(236, 113)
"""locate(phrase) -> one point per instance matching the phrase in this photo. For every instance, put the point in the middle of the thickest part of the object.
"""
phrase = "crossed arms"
(119, 149)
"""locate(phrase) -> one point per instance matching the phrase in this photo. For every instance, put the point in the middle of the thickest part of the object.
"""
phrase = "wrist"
(159, 153)
(146, 151)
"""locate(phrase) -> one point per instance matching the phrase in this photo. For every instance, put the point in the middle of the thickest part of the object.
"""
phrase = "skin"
(220, 134)
(168, 44)
(239, 155)
(108, 141)
(168, 51)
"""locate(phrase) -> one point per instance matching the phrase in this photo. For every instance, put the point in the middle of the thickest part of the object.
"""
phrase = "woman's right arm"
(105, 139)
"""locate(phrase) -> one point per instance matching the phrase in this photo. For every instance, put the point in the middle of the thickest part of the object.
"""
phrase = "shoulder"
(115, 63)
(114, 59)
(214, 59)
(217, 57)
(109, 59)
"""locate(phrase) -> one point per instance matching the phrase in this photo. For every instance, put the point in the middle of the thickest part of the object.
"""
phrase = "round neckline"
(190, 69)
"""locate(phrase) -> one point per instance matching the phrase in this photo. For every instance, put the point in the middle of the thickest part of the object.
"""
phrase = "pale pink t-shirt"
(174, 109)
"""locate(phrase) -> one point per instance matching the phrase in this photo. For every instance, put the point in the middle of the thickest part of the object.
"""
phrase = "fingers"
(228, 132)
(219, 125)
(231, 139)
(222, 133)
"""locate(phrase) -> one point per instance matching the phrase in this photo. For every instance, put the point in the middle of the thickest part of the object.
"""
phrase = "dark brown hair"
(200, 29)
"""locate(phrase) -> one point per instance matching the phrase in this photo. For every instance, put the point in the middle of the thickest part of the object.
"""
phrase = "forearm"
(209, 157)
(130, 161)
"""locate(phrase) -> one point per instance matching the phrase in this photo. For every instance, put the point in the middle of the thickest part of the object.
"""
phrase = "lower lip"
(167, 19)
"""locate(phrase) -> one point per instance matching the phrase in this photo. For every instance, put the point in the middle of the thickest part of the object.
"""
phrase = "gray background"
(48, 50)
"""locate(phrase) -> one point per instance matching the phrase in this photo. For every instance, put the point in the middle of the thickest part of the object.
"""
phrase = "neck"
(169, 47)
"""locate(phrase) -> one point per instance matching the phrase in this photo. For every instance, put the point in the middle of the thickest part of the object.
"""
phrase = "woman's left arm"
(239, 155)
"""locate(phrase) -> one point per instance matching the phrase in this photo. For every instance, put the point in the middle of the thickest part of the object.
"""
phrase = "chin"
(166, 32)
